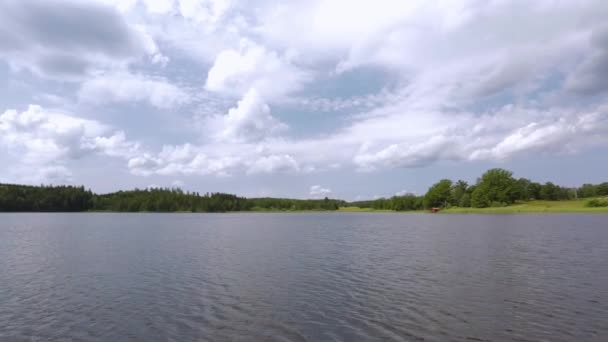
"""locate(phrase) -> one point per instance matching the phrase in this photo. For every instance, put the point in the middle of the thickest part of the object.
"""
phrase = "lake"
(303, 277)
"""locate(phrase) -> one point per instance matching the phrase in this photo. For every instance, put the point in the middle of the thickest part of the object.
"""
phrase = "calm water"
(303, 277)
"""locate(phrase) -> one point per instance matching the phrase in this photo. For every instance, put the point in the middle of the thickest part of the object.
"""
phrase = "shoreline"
(451, 211)
(530, 207)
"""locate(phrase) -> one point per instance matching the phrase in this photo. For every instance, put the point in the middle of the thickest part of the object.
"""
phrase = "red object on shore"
(435, 210)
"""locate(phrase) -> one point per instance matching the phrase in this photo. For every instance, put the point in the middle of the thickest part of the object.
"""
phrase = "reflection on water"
(303, 277)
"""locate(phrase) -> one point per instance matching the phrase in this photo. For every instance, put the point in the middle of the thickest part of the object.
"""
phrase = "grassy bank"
(362, 210)
(572, 206)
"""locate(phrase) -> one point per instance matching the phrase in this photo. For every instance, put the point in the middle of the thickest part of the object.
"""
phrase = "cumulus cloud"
(41, 136)
(250, 120)
(115, 145)
(205, 11)
(317, 191)
(510, 132)
(124, 87)
(407, 154)
(44, 140)
(566, 133)
(67, 39)
(274, 163)
(439, 81)
(182, 159)
(159, 6)
(189, 159)
(253, 66)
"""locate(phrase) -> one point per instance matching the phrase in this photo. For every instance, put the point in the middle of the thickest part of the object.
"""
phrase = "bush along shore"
(496, 191)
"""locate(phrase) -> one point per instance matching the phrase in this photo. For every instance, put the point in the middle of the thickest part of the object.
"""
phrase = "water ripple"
(303, 277)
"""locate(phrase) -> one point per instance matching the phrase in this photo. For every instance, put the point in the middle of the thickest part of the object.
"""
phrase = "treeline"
(172, 200)
(406, 202)
(498, 187)
(268, 203)
(495, 188)
(44, 198)
(168, 200)
(24, 198)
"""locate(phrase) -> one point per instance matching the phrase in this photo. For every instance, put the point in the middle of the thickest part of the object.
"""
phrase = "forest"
(25, 198)
(495, 188)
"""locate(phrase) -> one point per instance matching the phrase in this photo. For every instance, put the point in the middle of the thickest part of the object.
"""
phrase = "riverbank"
(572, 206)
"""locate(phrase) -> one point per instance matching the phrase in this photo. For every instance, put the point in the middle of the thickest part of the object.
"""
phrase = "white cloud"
(159, 6)
(39, 136)
(45, 140)
(115, 145)
(121, 5)
(182, 159)
(66, 40)
(274, 163)
(178, 183)
(204, 11)
(513, 131)
(218, 160)
(124, 87)
(250, 120)
(416, 82)
(253, 66)
(317, 191)
(566, 133)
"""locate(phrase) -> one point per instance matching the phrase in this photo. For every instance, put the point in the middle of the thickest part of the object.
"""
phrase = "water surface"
(303, 277)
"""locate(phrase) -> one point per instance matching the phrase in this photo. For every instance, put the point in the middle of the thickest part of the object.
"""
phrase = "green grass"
(362, 210)
(572, 206)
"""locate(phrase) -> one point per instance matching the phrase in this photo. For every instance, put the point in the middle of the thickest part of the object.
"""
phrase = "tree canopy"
(496, 187)
(439, 194)
(15, 198)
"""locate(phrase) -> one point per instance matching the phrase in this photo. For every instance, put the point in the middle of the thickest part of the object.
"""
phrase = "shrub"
(596, 203)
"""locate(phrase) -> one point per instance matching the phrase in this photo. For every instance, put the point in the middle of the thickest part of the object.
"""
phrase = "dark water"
(303, 277)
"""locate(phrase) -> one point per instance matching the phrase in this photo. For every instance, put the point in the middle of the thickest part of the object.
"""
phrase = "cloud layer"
(217, 88)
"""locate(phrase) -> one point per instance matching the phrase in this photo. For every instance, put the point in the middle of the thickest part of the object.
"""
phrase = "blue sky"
(348, 99)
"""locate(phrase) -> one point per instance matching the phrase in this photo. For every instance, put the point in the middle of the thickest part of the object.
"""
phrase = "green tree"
(439, 195)
(548, 191)
(480, 198)
(459, 189)
(465, 201)
(587, 190)
(602, 189)
(496, 186)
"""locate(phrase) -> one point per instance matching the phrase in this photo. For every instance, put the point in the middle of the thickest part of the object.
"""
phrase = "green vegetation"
(496, 191)
(44, 198)
(566, 206)
(363, 210)
(286, 204)
(24, 198)
(168, 200)
(439, 195)
(407, 202)
(597, 203)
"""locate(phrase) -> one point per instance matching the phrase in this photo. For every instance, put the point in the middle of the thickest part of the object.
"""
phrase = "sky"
(349, 99)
